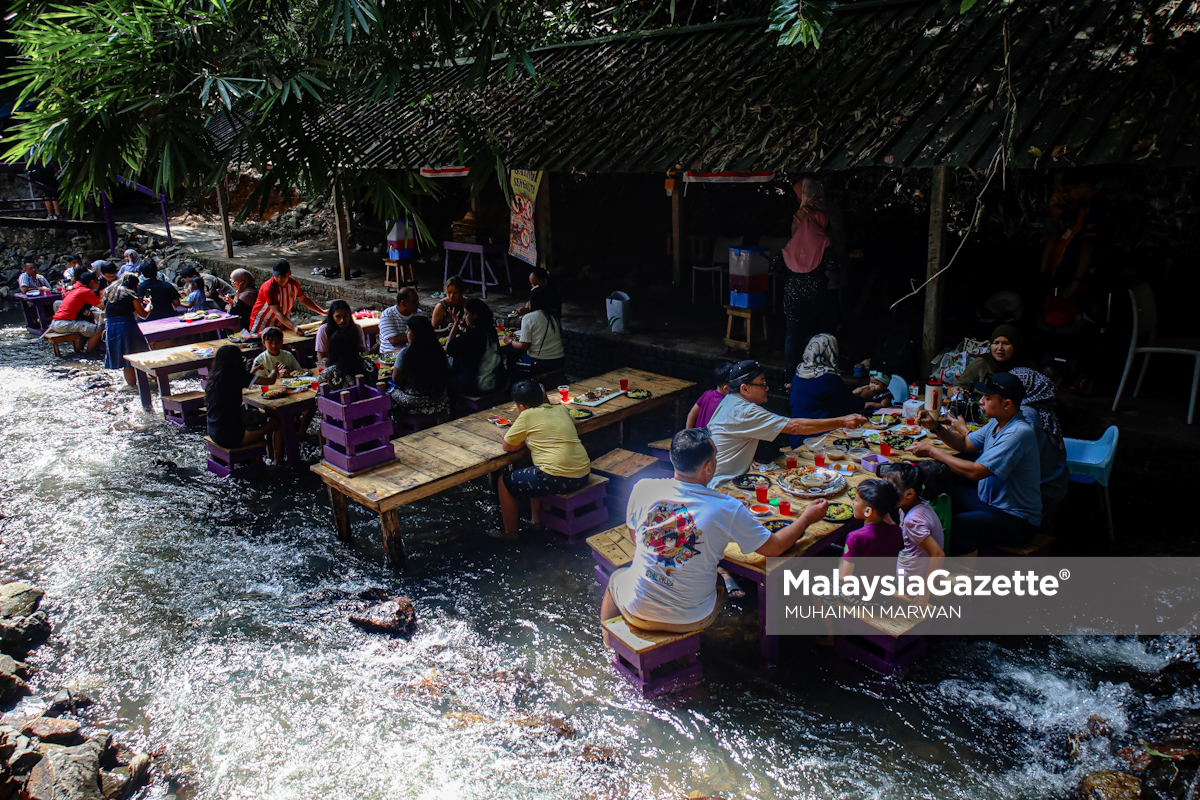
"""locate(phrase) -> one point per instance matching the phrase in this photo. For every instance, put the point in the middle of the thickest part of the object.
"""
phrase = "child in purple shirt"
(879, 537)
(706, 406)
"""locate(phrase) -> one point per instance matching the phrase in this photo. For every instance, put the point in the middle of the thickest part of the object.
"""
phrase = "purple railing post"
(162, 199)
(109, 222)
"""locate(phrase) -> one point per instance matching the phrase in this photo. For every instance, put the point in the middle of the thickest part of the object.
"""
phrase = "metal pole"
(162, 200)
(109, 223)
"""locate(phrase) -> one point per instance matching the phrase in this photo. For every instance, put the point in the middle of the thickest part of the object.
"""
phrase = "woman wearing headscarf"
(1003, 354)
(1038, 411)
(123, 308)
(241, 302)
(808, 255)
(132, 262)
(818, 392)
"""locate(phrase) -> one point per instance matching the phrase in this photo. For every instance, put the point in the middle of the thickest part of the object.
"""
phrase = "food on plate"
(759, 510)
(848, 443)
(892, 440)
(839, 512)
(937, 442)
(972, 426)
(579, 413)
(750, 481)
(297, 383)
(846, 468)
(907, 430)
(852, 492)
(501, 421)
(835, 453)
(599, 393)
(776, 524)
(275, 394)
(638, 394)
(884, 420)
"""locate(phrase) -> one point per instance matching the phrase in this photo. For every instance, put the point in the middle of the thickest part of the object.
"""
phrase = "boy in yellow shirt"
(560, 464)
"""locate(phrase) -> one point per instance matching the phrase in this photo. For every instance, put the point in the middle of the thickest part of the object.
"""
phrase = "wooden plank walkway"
(447, 455)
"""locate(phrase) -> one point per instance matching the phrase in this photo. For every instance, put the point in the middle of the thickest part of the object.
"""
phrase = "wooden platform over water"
(453, 453)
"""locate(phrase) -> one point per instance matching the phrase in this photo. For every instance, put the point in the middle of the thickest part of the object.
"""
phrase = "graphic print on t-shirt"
(671, 536)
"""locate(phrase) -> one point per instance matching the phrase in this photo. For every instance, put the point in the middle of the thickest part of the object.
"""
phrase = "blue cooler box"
(744, 300)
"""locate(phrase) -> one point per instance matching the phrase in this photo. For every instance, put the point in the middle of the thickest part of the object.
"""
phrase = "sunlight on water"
(209, 620)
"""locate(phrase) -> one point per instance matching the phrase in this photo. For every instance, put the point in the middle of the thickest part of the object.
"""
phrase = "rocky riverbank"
(53, 755)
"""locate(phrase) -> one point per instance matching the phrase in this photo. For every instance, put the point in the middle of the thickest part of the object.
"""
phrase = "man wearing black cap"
(740, 422)
(1004, 509)
(276, 299)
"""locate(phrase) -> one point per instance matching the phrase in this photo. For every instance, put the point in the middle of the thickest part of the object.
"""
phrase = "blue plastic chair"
(1092, 462)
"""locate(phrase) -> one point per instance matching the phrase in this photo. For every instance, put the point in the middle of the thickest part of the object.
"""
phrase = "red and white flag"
(444, 172)
(727, 177)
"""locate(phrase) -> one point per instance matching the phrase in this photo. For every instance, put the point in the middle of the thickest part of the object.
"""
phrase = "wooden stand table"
(288, 410)
(158, 330)
(483, 255)
(447, 455)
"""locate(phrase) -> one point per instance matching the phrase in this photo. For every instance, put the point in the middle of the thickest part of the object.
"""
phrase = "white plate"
(897, 429)
(853, 433)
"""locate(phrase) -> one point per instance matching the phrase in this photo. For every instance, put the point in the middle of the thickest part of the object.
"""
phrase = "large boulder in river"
(71, 773)
(395, 616)
(16, 632)
(12, 675)
(52, 730)
(1109, 784)
(19, 599)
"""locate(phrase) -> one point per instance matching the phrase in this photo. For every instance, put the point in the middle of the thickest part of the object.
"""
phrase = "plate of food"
(297, 383)
(638, 394)
(846, 468)
(749, 482)
(853, 433)
(973, 426)
(839, 512)
(776, 524)
(762, 511)
(212, 316)
(911, 431)
(500, 421)
(203, 352)
(811, 482)
(852, 492)
(595, 397)
(883, 421)
(847, 443)
(275, 394)
(579, 413)
(893, 440)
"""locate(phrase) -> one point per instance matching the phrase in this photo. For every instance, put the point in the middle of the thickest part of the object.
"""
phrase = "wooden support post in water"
(223, 207)
(677, 235)
(393, 542)
(341, 515)
(341, 224)
(931, 337)
(545, 245)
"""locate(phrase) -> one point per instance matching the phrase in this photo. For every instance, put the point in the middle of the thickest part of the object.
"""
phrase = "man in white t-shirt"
(740, 422)
(680, 529)
(393, 322)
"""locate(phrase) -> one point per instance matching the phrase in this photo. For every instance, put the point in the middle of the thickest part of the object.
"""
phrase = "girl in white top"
(541, 331)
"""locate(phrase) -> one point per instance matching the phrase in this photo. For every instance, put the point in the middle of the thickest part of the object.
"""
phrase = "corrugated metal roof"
(894, 83)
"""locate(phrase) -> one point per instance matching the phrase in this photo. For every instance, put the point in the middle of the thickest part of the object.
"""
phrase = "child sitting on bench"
(706, 406)
(274, 362)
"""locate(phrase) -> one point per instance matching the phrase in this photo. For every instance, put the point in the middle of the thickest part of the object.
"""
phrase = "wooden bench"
(184, 409)
(656, 663)
(573, 513)
(56, 339)
(224, 462)
(612, 550)
(624, 468)
(1039, 545)
(881, 645)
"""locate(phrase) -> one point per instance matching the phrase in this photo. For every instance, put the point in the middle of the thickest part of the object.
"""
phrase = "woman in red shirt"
(276, 299)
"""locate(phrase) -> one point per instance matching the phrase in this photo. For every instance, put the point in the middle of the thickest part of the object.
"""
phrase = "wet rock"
(18, 631)
(72, 773)
(18, 599)
(20, 753)
(12, 674)
(52, 730)
(1109, 784)
(1098, 726)
(66, 701)
(597, 754)
(395, 616)
(1135, 758)
(374, 594)
(120, 782)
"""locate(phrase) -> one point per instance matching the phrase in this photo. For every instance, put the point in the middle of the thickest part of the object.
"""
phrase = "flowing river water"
(208, 618)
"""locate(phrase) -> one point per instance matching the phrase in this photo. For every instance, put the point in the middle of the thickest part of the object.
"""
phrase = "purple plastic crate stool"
(184, 409)
(224, 462)
(656, 663)
(612, 550)
(356, 426)
(878, 649)
(574, 513)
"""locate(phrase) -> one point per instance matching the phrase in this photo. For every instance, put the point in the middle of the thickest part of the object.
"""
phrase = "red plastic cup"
(820, 459)
(624, 384)
(315, 385)
(760, 492)
(785, 507)
(563, 392)
(910, 420)
(264, 388)
(885, 449)
(791, 462)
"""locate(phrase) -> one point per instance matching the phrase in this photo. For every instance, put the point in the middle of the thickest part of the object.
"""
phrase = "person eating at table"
(393, 322)
(229, 424)
(196, 299)
(476, 366)
(340, 317)
(214, 287)
(71, 315)
(451, 307)
(133, 263)
(1004, 353)
(560, 462)
(818, 391)
(241, 299)
(122, 337)
(345, 361)
(29, 278)
(274, 361)
(680, 528)
(741, 422)
(73, 264)
(276, 299)
(997, 498)
(108, 275)
(540, 347)
(419, 376)
(1038, 410)
(164, 297)
(539, 281)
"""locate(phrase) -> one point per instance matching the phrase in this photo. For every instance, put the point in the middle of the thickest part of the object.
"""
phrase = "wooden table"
(483, 255)
(288, 410)
(817, 538)
(368, 325)
(447, 455)
(38, 310)
(184, 358)
(158, 330)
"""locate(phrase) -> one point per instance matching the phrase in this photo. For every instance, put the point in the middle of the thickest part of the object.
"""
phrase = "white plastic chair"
(718, 266)
(1092, 462)
(1145, 319)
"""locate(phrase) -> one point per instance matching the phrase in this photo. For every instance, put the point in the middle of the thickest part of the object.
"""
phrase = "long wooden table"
(184, 358)
(158, 330)
(447, 455)
(287, 410)
(38, 310)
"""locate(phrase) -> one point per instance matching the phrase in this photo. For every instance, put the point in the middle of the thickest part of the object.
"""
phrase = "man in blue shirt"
(1004, 508)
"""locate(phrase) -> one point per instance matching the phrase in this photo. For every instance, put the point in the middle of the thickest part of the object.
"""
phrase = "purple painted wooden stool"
(184, 409)
(662, 451)
(656, 663)
(223, 462)
(356, 426)
(574, 513)
(411, 423)
(612, 550)
(884, 647)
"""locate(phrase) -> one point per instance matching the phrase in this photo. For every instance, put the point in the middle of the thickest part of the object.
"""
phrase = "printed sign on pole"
(522, 240)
